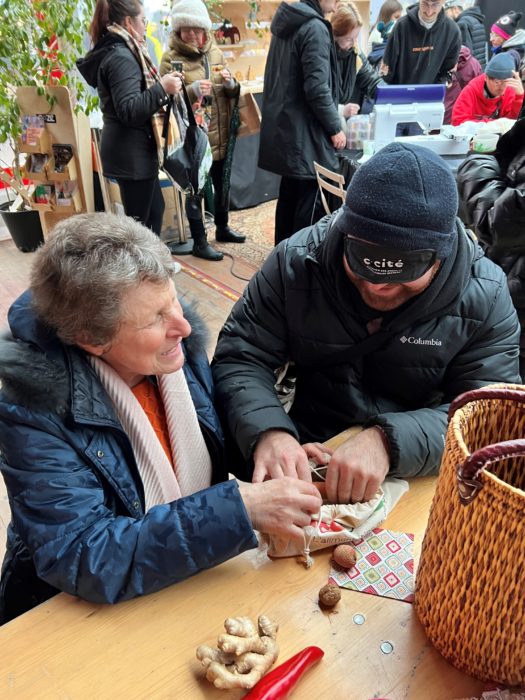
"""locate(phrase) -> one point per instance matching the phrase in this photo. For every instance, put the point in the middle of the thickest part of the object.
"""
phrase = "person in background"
(494, 94)
(389, 12)
(492, 202)
(423, 47)
(465, 70)
(132, 100)
(505, 36)
(210, 82)
(300, 121)
(357, 78)
(471, 23)
(383, 312)
(111, 450)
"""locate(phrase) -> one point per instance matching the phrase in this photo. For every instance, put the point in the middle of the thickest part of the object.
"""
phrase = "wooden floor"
(210, 284)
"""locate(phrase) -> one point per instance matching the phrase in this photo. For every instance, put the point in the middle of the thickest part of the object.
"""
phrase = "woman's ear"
(97, 350)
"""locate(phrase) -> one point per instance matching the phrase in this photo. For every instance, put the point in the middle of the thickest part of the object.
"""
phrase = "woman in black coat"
(492, 194)
(132, 99)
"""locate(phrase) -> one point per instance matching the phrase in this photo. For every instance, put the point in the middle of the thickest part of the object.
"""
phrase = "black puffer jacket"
(492, 192)
(416, 55)
(471, 23)
(299, 112)
(357, 78)
(460, 333)
(128, 148)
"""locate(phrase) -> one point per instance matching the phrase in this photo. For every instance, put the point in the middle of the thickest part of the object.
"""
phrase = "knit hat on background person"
(506, 26)
(404, 197)
(190, 13)
(500, 66)
(454, 3)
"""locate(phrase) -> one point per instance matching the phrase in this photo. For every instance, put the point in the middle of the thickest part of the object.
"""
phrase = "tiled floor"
(214, 286)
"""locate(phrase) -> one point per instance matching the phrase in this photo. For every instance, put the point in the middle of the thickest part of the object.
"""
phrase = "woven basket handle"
(469, 472)
(502, 393)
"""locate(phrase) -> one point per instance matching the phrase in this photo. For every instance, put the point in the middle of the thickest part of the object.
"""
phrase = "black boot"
(201, 247)
(206, 252)
(224, 234)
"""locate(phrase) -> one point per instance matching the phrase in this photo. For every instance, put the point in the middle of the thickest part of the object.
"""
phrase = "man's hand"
(350, 110)
(515, 83)
(281, 507)
(339, 140)
(358, 468)
(278, 454)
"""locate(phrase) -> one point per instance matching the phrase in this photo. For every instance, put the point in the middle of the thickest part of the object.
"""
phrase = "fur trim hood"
(34, 364)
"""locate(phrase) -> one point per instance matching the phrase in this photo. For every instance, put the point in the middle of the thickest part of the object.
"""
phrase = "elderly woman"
(111, 448)
(211, 85)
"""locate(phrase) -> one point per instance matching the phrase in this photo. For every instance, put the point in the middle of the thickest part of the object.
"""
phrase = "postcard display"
(59, 162)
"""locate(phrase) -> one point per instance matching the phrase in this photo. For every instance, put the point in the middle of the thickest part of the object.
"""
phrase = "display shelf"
(69, 172)
(41, 146)
(62, 126)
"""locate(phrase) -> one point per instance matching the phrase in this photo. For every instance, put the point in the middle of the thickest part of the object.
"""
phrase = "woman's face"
(194, 36)
(496, 39)
(149, 338)
(349, 40)
(395, 16)
(136, 26)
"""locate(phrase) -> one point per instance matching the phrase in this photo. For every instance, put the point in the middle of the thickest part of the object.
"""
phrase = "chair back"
(331, 182)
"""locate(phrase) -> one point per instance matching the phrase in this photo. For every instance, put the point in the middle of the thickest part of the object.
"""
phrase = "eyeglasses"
(496, 81)
(144, 21)
(192, 30)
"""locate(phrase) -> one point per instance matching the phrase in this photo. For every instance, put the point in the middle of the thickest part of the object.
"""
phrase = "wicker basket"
(470, 585)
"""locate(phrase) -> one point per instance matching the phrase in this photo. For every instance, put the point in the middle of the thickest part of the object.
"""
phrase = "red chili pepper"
(278, 683)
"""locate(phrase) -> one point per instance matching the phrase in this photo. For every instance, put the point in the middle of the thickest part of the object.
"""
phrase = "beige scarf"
(191, 458)
(151, 76)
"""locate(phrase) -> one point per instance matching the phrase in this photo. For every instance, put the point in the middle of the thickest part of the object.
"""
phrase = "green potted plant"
(39, 43)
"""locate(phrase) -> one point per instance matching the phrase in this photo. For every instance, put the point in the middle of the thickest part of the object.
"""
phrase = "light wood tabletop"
(145, 648)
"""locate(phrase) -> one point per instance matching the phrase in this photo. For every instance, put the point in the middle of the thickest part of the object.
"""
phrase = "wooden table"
(145, 648)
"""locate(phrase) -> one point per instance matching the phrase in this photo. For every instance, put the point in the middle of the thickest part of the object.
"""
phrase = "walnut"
(345, 556)
(329, 596)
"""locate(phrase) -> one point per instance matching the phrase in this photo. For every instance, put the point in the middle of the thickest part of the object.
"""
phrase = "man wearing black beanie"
(382, 313)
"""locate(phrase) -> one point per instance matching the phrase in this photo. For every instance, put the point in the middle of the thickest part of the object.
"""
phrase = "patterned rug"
(257, 223)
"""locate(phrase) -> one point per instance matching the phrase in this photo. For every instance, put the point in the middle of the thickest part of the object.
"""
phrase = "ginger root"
(243, 655)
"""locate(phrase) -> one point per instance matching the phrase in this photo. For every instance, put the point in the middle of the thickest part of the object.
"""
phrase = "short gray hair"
(83, 271)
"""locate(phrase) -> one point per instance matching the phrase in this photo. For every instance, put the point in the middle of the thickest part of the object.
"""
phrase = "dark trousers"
(143, 200)
(220, 207)
(193, 205)
(299, 205)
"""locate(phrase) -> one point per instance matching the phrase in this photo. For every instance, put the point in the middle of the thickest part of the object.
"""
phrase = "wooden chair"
(330, 182)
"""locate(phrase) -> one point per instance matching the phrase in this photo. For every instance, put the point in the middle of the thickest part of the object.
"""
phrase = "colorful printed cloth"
(385, 566)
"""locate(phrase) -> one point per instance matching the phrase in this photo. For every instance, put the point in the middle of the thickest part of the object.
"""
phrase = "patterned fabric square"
(384, 566)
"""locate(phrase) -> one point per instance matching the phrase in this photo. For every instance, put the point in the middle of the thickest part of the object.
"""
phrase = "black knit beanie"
(404, 197)
(506, 26)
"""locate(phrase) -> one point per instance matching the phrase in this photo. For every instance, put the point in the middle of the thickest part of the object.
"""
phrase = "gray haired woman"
(112, 452)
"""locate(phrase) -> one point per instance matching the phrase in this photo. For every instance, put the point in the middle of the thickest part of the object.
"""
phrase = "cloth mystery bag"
(341, 523)
(189, 163)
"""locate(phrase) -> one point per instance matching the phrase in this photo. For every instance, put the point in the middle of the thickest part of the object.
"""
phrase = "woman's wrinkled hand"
(281, 506)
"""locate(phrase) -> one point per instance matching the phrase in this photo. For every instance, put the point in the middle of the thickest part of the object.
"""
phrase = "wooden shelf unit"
(63, 126)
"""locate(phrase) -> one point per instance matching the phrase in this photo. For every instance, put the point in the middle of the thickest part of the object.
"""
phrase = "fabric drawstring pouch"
(340, 523)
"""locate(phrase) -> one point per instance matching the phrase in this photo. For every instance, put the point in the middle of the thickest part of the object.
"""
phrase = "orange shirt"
(148, 395)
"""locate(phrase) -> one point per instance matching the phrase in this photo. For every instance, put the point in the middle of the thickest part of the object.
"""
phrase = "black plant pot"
(24, 227)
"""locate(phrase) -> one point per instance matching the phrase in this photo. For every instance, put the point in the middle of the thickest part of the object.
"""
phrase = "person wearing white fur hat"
(211, 85)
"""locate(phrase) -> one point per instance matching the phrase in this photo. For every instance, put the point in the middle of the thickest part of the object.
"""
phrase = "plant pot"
(24, 227)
